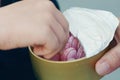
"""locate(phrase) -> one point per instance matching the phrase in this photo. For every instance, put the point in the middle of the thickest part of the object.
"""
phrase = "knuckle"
(113, 59)
(116, 57)
(50, 6)
(116, 53)
(49, 3)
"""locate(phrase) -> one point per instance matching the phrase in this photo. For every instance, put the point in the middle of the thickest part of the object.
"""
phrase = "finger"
(60, 34)
(50, 46)
(109, 62)
(59, 31)
(49, 56)
(36, 50)
(62, 21)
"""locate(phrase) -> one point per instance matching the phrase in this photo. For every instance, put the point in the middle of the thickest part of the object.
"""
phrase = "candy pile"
(73, 50)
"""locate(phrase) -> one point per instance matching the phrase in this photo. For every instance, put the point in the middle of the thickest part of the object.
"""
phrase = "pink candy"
(73, 50)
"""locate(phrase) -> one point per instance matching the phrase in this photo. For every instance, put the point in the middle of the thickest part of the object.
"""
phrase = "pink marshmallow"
(72, 50)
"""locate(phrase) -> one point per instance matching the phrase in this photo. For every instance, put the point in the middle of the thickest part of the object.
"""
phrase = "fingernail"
(103, 68)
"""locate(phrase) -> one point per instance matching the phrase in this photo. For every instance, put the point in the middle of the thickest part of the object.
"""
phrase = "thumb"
(109, 62)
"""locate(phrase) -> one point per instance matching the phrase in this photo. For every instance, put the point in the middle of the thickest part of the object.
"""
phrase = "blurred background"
(109, 5)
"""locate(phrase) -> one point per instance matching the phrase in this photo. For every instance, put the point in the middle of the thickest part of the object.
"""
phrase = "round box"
(80, 69)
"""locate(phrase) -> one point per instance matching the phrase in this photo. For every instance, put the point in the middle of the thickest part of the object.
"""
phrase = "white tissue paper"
(94, 28)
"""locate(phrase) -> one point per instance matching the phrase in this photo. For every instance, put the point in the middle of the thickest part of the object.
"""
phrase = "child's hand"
(33, 23)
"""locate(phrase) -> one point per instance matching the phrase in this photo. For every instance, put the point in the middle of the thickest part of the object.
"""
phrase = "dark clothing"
(15, 64)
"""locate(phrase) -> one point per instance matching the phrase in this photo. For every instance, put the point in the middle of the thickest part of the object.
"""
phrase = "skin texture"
(41, 26)
(111, 60)
(45, 28)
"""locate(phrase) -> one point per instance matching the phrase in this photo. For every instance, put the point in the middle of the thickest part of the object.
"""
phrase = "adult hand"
(33, 23)
(111, 60)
